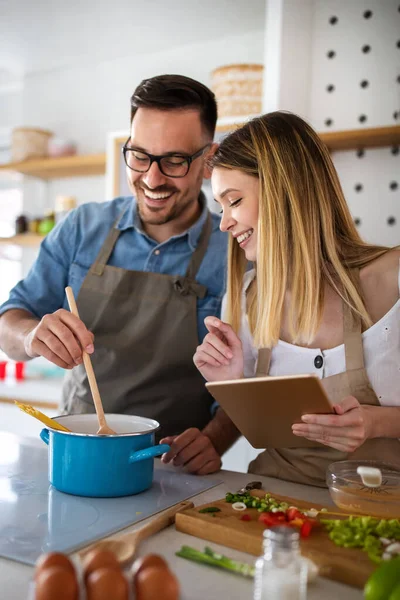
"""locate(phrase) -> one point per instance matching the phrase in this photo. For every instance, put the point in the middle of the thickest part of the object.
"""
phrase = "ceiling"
(37, 35)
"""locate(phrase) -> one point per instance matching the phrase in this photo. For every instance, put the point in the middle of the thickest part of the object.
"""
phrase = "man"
(146, 271)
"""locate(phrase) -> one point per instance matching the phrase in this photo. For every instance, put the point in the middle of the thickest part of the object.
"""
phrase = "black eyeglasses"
(170, 165)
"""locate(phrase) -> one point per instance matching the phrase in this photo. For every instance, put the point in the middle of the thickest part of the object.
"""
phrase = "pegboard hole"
(393, 185)
(328, 122)
(362, 118)
(331, 54)
(358, 187)
(391, 221)
(398, 43)
(333, 20)
(395, 150)
(395, 115)
(330, 88)
(364, 83)
(357, 221)
(360, 153)
(368, 14)
(398, 78)
(366, 49)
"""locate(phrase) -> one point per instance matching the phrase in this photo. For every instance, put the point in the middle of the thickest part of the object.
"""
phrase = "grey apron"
(145, 327)
(308, 465)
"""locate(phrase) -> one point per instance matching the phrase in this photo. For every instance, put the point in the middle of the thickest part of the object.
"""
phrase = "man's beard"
(159, 216)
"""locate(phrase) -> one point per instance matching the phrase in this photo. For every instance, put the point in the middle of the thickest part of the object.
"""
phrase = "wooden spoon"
(104, 429)
(124, 547)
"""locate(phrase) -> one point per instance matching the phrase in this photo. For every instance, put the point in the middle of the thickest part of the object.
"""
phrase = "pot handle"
(44, 434)
(139, 455)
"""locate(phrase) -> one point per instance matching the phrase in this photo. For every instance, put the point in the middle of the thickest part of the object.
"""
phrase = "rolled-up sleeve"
(43, 289)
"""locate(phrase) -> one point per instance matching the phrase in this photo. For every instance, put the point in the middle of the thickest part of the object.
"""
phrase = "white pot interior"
(122, 424)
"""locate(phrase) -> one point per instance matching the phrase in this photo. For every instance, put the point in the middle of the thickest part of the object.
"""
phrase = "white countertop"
(45, 391)
(199, 582)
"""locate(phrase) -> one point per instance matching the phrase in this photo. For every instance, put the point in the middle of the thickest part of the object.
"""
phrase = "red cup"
(19, 371)
(3, 365)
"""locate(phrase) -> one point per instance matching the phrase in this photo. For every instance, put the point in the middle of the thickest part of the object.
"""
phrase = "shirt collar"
(130, 219)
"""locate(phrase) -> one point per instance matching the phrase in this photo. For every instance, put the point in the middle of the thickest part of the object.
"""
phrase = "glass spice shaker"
(21, 224)
(280, 573)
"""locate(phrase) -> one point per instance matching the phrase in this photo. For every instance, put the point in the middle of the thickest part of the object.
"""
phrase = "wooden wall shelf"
(57, 168)
(377, 137)
(95, 164)
(354, 139)
(31, 240)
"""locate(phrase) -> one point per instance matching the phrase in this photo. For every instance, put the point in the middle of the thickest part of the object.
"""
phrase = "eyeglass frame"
(158, 157)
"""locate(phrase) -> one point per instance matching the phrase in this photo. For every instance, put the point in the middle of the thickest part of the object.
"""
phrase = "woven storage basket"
(238, 89)
(27, 142)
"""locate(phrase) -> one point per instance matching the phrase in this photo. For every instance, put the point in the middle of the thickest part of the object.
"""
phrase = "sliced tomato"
(294, 513)
(305, 529)
(279, 515)
(245, 517)
(270, 519)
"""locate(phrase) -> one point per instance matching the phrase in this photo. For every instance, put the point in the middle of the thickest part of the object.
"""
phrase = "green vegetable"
(363, 532)
(384, 582)
(214, 559)
(395, 595)
(210, 509)
(265, 504)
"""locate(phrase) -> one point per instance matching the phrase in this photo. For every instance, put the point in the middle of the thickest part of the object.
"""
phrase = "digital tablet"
(265, 408)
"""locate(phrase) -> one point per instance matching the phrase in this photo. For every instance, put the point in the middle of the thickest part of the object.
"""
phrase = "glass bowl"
(350, 494)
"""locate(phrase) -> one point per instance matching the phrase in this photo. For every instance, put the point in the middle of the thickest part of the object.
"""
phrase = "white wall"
(86, 102)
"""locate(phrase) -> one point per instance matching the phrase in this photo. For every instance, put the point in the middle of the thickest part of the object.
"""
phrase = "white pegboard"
(371, 185)
(345, 28)
(359, 87)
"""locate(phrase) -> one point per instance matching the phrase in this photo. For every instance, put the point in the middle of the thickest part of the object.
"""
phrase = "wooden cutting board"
(347, 565)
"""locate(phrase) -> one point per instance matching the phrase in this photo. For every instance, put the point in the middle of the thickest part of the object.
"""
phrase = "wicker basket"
(27, 142)
(238, 89)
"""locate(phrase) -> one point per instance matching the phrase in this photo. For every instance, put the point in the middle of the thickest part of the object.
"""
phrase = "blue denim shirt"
(68, 251)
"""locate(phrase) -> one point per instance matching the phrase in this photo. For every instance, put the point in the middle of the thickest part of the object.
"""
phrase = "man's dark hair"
(169, 92)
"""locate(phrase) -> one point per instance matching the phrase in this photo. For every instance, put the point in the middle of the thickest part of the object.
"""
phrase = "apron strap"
(97, 267)
(263, 362)
(198, 254)
(353, 343)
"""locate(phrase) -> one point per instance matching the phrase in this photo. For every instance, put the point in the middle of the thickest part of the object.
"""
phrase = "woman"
(319, 300)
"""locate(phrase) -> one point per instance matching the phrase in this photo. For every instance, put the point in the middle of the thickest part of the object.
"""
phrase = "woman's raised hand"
(220, 356)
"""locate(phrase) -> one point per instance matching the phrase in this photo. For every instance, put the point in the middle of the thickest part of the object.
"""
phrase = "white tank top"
(381, 344)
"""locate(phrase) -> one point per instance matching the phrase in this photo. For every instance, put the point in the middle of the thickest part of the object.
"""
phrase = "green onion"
(264, 504)
(214, 559)
(210, 509)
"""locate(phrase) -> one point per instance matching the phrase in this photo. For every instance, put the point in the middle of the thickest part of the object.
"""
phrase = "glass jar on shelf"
(281, 573)
(63, 205)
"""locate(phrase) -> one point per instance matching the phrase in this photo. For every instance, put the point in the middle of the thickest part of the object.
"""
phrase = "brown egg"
(155, 583)
(53, 559)
(107, 584)
(56, 583)
(97, 559)
(150, 560)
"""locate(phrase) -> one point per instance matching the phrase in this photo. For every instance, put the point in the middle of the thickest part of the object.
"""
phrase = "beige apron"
(145, 327)
(308, 465)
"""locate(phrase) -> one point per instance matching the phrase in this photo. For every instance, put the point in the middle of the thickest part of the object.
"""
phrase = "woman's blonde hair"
(306, 235)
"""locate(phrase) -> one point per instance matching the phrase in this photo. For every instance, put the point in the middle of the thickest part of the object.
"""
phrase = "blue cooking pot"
(86, 464)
